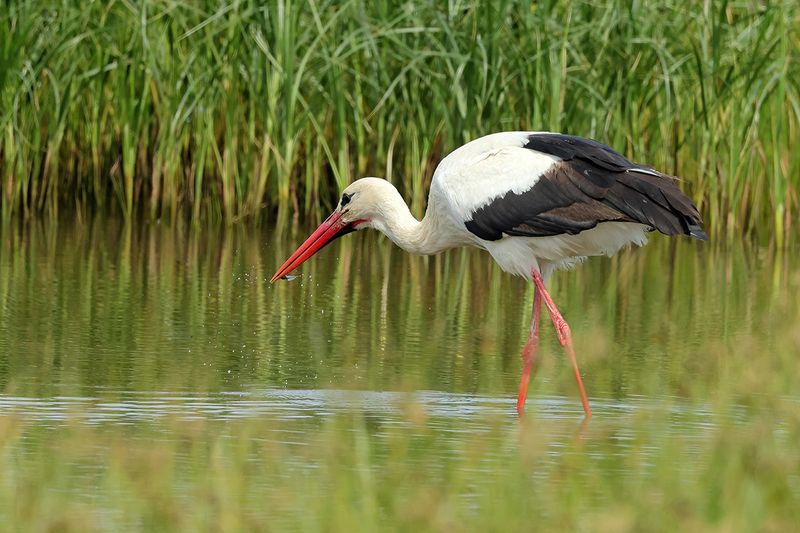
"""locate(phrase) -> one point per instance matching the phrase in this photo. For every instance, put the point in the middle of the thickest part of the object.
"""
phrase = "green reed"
(225, 111)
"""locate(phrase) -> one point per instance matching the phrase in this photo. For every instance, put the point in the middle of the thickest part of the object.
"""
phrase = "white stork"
(536, 201)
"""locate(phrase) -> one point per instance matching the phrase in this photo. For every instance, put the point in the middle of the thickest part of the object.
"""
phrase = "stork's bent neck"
(426, 237)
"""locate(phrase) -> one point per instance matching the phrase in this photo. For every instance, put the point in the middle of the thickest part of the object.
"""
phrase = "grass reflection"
(154, 379)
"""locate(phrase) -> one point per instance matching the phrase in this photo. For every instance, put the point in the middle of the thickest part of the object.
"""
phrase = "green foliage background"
(226, 111)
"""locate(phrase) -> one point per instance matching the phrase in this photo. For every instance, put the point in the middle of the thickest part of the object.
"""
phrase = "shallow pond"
(158, 364)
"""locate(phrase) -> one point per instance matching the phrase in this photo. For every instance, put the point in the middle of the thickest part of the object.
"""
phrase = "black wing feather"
(591, 184)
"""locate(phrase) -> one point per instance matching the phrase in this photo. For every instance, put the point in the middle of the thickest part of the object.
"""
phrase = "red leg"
(529, 352)
(564, 335)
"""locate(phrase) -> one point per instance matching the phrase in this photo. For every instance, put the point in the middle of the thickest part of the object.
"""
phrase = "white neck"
(429, 236)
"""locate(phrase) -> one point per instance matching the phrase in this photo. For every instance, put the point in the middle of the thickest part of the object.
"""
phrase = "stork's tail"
(670, 211)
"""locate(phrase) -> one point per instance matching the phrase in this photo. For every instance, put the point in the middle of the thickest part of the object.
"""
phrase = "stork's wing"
(587, 183)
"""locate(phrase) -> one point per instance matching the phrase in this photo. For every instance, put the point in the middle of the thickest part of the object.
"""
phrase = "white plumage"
(468, 178)
(489, 167)
(521, 255)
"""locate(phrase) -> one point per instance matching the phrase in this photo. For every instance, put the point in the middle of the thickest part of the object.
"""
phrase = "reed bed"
(224, 111)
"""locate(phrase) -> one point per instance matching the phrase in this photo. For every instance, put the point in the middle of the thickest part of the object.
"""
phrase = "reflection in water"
(290, 404)
(157, 366)
(90, 310)
(297, 404)
(152, 308)
(290, 416)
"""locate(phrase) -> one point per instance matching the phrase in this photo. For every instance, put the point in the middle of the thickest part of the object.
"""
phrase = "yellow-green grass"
(362, 471)
(230, 110)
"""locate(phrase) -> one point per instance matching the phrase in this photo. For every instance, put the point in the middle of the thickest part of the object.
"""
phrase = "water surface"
(137, 331)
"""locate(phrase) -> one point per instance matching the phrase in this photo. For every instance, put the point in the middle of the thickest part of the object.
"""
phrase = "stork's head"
(364, 203)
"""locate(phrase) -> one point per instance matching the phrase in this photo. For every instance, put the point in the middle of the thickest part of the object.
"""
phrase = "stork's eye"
(346, 199)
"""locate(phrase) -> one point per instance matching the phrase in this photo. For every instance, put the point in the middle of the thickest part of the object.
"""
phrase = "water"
(137, 333)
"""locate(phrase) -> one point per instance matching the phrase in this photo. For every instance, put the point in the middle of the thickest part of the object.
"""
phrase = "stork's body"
(535, 201)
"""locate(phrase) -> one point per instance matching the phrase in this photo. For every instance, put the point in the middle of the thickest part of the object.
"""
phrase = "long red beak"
(327, 231)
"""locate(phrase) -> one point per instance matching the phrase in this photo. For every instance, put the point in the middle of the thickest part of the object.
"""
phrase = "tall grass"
(220, 110)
